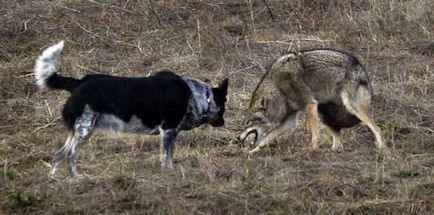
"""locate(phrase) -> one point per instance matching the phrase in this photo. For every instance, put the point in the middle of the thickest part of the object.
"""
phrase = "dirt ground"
(210, 40)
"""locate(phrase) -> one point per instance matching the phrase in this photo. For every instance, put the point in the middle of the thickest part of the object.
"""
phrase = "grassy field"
(212, 39)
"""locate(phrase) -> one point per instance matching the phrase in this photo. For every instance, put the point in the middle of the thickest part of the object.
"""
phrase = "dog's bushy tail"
(45, 70)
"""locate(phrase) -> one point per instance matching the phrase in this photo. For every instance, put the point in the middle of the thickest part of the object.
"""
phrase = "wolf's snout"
(241, 138)
(248, 133)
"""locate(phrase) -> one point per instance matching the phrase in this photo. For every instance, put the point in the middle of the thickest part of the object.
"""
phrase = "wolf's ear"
(263, 104)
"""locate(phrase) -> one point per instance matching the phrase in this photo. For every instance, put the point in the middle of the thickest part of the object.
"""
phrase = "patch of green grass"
(389, 133)
(70, 210)
(366, 179)
(10, 173)
(124, 182)
(366, 209)
(20, 48)
(20, 200)
(408, 172)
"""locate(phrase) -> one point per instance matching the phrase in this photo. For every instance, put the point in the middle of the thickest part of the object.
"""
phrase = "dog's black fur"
(161, 99)
(164, 103)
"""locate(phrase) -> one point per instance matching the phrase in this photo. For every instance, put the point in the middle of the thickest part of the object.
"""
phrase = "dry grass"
(210, 40)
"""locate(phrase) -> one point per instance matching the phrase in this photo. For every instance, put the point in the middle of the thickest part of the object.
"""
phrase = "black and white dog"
(163, 104)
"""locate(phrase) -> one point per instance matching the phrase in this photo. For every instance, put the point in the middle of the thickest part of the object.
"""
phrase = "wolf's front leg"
(167, 147)
(267, 140)
(313, 122)
(289, 123)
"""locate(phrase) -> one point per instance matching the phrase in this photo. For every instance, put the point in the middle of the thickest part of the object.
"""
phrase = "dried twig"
(155, 12)
(87, 69)
(252, 17)
(241, 70)
(198, 32)
(93, 34)
(48, 108)
(47, 125)
(113, 6)
(88, 31)
(259, 65)
(269, 10)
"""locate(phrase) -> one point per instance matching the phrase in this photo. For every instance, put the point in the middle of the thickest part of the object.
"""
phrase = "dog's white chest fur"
(111, 123)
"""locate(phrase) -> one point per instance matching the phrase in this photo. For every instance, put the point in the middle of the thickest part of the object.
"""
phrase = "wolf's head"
(215, 117)
(268, 106)
(266, 111)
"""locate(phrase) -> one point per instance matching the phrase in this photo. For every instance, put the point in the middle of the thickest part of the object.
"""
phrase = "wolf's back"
(340, 67)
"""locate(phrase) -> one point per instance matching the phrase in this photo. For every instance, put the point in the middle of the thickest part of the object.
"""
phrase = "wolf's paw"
(337, 148)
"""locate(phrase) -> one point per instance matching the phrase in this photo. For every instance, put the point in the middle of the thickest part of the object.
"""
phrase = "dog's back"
(162, 97)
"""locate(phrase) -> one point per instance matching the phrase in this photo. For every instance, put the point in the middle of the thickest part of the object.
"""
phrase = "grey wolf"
(163, 104)
(331, 86)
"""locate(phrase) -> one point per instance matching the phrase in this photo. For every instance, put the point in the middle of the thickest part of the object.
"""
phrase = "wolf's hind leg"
(336, 136)
(290, 122)
(61, 154)
(313, 122)
(359, 106)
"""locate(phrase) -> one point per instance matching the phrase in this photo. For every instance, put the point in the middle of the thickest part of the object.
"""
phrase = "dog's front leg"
(167, 147)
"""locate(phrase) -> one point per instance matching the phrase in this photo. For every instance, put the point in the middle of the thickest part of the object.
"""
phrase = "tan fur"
(300, 82)
(313, 122)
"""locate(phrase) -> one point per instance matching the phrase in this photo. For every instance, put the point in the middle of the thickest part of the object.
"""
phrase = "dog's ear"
(221, 91)
(223, 87)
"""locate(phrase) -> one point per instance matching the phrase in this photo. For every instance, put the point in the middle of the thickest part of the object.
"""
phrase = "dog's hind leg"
(61, 154)
(359, 106)
(167, 147)
(313, 122)
(290, 122)
(83, 129)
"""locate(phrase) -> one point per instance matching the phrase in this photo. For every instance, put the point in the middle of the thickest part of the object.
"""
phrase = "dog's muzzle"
(204, 119)
(218, 123)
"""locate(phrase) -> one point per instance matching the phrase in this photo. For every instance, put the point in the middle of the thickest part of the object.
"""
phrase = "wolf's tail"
(45, 71)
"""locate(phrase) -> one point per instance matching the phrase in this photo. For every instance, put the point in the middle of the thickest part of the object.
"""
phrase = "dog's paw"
(167, 165)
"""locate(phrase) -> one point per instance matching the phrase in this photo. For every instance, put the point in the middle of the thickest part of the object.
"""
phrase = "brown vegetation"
(211, 39)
